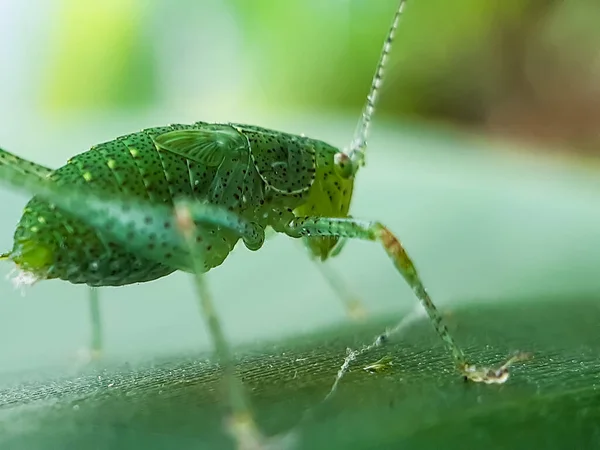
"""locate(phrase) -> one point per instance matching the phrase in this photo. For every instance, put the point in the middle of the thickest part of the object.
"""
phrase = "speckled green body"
(180, 198)
(264, 176)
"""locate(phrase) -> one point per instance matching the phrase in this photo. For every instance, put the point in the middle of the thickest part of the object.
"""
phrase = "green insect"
(181, 197)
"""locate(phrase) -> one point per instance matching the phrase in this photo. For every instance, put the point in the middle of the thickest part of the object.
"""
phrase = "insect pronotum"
(180, 197)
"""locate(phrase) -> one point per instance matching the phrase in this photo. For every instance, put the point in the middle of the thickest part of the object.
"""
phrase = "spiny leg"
(242, 424)
(23, 165)
(375, 231)
(137, 224)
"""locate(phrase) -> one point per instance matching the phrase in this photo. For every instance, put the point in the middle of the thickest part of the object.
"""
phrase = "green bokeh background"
(462, 164)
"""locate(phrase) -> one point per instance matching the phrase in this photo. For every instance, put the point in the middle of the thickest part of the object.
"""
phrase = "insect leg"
(352, 304)
(376, 232)
(146, 228)
(242, 418)
(142, 226)
(23, 165)
(96, 323)
(242, 425)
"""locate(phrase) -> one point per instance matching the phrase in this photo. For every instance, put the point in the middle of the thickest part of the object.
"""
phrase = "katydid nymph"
(181, 197)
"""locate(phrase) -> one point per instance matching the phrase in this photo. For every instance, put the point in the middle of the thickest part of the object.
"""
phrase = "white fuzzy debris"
(21, 279)
(351, 356)
(412, 316)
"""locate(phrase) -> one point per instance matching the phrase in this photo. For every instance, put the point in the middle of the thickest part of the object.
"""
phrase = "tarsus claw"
(490, 375)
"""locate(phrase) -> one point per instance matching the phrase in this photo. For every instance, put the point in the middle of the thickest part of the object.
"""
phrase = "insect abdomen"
(52, 244)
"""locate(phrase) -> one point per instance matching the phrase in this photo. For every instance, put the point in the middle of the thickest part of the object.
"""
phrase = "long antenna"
(356, 152)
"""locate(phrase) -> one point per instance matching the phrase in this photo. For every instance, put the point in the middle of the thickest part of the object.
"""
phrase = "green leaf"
(419, 402)
(483, 223)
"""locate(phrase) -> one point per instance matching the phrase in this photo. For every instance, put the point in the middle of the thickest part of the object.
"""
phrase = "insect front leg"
(352, 304)
(95, 322)
(376, 232)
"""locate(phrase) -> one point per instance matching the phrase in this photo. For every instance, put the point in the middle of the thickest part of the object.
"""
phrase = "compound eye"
(343, 165)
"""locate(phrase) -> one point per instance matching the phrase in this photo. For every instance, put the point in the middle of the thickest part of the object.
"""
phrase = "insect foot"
(490, 375)
(356, 310)
(88, 355)
(248, 437)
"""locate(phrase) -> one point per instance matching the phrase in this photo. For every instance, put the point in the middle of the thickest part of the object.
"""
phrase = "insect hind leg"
(376, 232)
(23, 165)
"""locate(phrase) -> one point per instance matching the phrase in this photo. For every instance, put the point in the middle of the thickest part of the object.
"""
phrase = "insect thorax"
(260, 174)
(301, 178)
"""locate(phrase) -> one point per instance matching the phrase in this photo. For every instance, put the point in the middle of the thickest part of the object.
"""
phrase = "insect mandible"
(180, 197)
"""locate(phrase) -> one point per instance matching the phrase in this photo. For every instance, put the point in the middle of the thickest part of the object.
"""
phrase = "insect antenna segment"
(356, 152)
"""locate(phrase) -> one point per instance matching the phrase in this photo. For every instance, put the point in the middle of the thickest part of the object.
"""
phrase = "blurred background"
(479, 99)
(524, 69)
